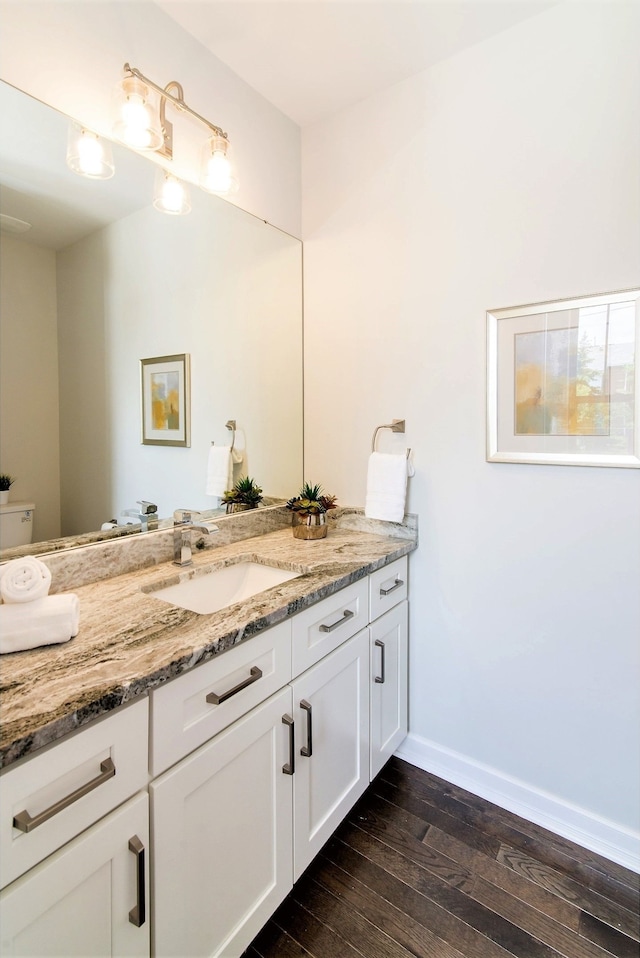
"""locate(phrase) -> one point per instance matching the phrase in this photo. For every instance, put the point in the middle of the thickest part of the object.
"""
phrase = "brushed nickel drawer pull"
(290, 767)
(380, 644)
(346, 615)
(25, 823)
(213, 698)
(307, 750)
(396, 585)
(137, 915)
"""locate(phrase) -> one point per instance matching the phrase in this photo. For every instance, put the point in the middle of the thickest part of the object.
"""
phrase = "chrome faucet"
(183, 525)
(147, 515)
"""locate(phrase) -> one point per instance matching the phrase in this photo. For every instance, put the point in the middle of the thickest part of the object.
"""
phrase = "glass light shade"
(88, 154)
(137, 116)
(170, 194)
(216, 175)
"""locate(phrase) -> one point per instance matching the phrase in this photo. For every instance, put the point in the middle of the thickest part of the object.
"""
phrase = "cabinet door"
(331, 709)
(388, 685)
(221, 823)
(87, 899)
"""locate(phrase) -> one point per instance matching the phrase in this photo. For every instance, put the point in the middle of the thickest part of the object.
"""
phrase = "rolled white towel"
(48, 621)
(24, 580)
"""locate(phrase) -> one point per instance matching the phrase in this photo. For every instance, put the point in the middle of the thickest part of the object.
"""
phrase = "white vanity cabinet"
(74, 870)
(251, 760)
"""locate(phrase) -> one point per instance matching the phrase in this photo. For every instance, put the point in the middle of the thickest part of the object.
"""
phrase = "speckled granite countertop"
(130, 642)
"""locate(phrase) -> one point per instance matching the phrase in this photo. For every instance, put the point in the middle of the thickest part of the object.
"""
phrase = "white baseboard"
(618, 844)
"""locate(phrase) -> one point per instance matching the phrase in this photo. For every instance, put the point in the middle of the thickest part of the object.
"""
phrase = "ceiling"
(312, 58)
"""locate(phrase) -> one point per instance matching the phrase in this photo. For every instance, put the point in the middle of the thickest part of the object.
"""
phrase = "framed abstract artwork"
(165, 390)
(562, 382)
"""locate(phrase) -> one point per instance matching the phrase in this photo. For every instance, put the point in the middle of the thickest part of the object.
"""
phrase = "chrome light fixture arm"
(178, 101)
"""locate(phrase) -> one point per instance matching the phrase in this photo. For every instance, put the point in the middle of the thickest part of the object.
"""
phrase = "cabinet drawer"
(322, 628)
(387, 587)
(62, 791)
(188, 712)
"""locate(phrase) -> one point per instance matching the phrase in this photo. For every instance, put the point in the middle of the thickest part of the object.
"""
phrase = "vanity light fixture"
(142, 124)
(170, 194)
(88, 154)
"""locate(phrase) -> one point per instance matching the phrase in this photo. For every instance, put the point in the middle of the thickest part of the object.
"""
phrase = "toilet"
(16, 524)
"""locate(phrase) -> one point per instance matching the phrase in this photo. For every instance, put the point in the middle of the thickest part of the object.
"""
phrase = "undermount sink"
(212, 590)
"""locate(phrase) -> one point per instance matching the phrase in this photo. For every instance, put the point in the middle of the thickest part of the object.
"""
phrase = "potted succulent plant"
(246, 494)
(309, 512)
(6, 481)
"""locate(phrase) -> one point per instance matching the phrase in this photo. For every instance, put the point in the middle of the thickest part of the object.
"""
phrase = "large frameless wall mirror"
(101, 281)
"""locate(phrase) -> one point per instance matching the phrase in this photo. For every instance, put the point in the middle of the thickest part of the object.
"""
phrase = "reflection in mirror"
(101, 281)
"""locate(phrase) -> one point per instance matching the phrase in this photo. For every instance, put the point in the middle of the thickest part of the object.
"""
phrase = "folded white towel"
(219, 473)
(386, 486)
(24, 580)
(220, 469)
(48, 621)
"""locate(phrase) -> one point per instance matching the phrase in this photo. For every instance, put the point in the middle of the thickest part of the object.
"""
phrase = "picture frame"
(165, 383)
(563, 384)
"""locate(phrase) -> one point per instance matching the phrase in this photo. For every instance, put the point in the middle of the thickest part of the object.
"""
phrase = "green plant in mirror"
(245, 492)
(311, 501)
(6, 481)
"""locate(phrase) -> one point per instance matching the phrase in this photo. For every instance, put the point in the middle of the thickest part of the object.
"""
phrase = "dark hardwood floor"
(421, 867)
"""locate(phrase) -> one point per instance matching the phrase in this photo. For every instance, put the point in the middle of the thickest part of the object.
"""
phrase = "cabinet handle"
(396, 585)
(307, 750)
(137, 914)
(26, 823)
(346, 615)
(213, 698)
(290, 767)
(380, 645)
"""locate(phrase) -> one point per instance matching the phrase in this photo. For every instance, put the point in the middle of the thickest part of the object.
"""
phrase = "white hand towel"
(219, 471)
(48, 621)
(24, 580)
(386, 486)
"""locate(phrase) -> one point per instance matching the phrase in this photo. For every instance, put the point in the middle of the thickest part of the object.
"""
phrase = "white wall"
(505, 175)
(70, 54)
(29, 380)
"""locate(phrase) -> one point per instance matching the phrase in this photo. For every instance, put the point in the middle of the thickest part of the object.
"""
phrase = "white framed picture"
(562, 382)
